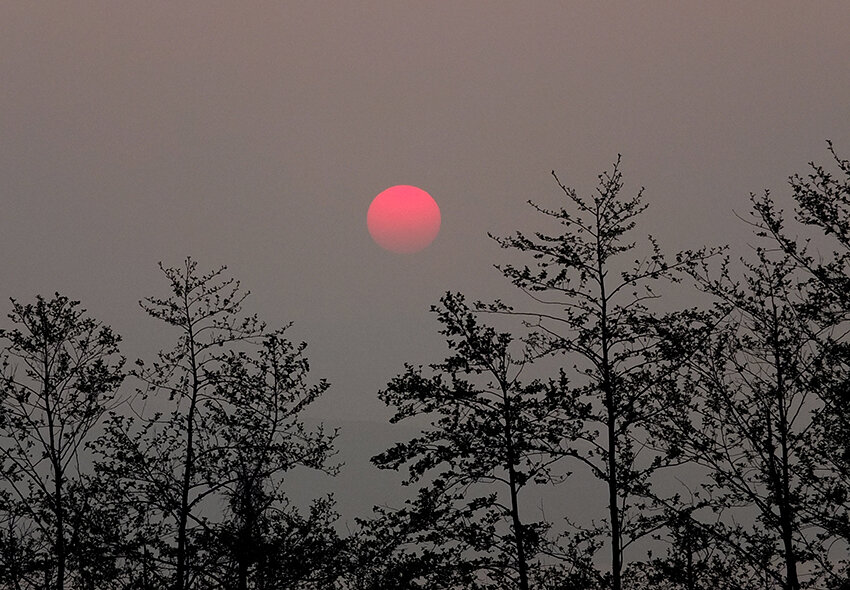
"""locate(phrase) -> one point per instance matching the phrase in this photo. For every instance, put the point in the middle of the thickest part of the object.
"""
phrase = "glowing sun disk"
(403, 219)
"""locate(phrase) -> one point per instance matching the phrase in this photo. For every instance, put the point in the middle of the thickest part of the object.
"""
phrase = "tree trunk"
(690, 578)
(786, 520)
(181, 577)
(245, 532)
(521, 562)
(146, 584)
(611, 421)
(522, 566)
(59, 547)
(782, 481)
(613, 509)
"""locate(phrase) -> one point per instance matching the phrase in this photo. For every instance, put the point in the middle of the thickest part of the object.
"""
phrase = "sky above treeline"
(256, 135)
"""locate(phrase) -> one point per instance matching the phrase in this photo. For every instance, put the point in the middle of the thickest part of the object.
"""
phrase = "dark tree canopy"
(822, 206)
(492, 435)
(714, 440)
(593, 292)
(231, 392)
(59, 373)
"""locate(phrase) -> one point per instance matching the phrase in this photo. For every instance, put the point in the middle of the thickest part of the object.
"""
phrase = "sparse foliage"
(744, 413)
(743, 400)
(491, 438)
(226, 430)
(594, 313)
(822, 200)
(59, 373)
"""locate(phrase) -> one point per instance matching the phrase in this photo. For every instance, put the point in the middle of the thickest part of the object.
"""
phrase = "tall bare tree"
(491, 439)
(592, 290)
(59, 373)
(822, 207)
(264, 542)
(224, 429)
(744, 414)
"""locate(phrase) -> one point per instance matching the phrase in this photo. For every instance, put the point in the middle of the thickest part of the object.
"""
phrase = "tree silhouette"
(492, 437)
(59, 372)
(822, 200)
(594, 312)
(263, 540)
(744, 400)
(231, 390)
(696, 557)
(744, 412)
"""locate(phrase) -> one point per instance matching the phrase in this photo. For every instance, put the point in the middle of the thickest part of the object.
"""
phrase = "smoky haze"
(256, 136)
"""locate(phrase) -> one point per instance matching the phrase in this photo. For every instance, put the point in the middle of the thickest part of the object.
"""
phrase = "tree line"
(717, 434)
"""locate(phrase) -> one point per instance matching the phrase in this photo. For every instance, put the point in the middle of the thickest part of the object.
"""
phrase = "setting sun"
(403, 219)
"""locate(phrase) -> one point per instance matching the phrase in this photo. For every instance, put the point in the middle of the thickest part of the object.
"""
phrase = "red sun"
(403, 219)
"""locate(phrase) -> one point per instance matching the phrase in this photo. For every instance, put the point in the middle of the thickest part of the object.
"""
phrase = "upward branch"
(596, 296)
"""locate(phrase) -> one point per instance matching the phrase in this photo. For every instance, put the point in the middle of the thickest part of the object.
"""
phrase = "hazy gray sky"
(256, 135)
